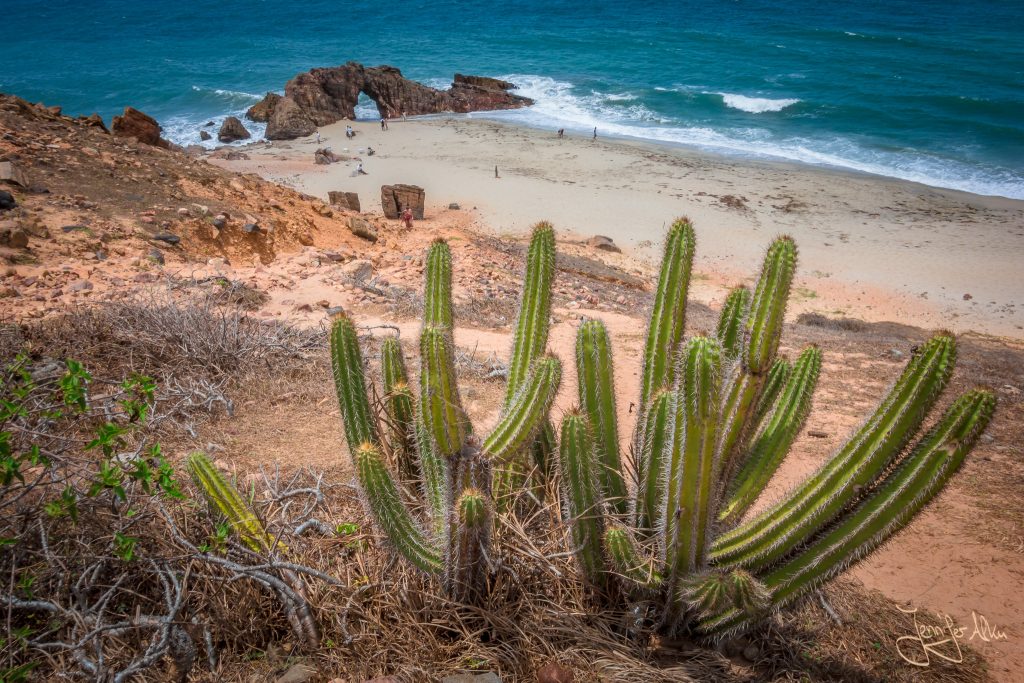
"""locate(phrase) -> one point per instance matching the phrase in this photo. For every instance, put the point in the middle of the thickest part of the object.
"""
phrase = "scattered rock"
(80, 286)
(201, 209)
(396, 198)
(603, 243)
(967, 297)
(895, 354)
(94, 120)
(134, 124)
(10, 172)
(167, 237)
(332, 256)
(359, 270)
(232, 130)
(203, 135)
(553, 672)
(325, 156)
(15, 238)
(156, 256)
(620, 299)
(454, 206)
(8, 293)
(74, 228)
(345, 200)
(323, 303)
(305, 239)
(235, 155)
(7, 201)
(288, 121)
(361, 227)
(220, 222)
(262, 110)
(298, 673)
(335, 310)
(304, 308)
(250, 228)
(818, 435)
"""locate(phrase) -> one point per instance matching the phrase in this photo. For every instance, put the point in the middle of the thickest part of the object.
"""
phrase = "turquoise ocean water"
(927, 91)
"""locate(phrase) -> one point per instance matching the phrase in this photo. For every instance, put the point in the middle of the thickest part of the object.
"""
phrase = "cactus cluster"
(430, 437)
(717, 415)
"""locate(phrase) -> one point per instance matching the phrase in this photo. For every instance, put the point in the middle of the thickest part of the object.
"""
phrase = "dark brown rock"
(7, 201)
(396, 198)
(94, 121)
(15, 238)
(203, 135)
(345, 200)
(289, 121)
(134, 124)
(325, 156)
(232, 130)
(262, 110)
(327, 95)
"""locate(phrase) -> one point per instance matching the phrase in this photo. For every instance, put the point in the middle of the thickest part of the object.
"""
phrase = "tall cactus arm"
(399, 405)
(466, 566)
(763, 327)
(385, 505)
(597, 400)
(888, 508)
(225, 502)
(656, 444)
(774, 383)
(440, 404)
(434, 469)
(526, 412)
(347, 363)
(689, 507)
(731, 320)
(437, 297)
(772, 444)
(628, 560)
(814, 503)
(582, 494)
(531, 331)
(669, 315)
(768, 307)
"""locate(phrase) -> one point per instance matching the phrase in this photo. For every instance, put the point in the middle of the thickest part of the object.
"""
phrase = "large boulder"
(261, 111)
(134, 124)
(289, 121)
(396, 198)
(345, 200)
(327, 95)
(232, 130)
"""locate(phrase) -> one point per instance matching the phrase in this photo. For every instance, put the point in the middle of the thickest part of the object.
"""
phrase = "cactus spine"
(717, 419)
(435, 438)
(225, 502)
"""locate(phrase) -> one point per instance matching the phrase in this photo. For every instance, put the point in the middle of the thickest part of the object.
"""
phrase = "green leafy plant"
(718, 414)
(432, 438)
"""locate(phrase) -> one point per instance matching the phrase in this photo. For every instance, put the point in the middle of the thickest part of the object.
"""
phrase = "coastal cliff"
(323, 96)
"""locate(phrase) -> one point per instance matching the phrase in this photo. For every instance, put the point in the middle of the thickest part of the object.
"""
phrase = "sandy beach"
(871, 248)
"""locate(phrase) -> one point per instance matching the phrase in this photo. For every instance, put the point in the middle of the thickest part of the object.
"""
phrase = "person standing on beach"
(595, 132)
(383, 123)
(407, 217)
(318, 137)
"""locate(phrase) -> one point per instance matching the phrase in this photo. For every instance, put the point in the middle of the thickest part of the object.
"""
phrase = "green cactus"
(226, 503)
(717, 418)
(582, 494)
(399, 404)
(433, 436)
(597, 400)
(770, 447)
(730, 323)
(528, 343)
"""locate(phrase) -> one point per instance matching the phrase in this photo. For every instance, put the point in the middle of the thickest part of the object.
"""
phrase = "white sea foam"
(755, 105)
